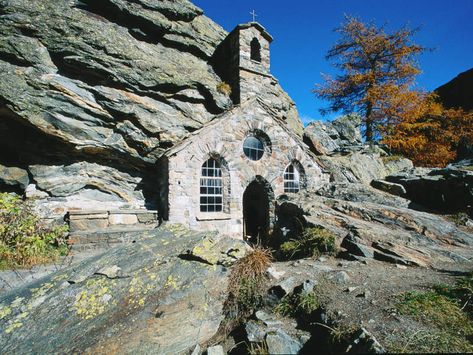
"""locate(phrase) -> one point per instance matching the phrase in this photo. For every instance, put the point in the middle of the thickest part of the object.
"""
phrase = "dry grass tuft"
(247, 283)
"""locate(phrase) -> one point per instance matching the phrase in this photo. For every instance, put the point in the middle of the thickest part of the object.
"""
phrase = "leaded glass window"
(253, 148)
(211, 187)
(291, 179)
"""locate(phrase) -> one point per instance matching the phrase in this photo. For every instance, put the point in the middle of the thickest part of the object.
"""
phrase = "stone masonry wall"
(224, 138)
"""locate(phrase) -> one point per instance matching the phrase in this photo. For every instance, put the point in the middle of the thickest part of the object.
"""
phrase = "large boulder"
(13, 179)
(110, 85)
(137, 298)
(327, 137)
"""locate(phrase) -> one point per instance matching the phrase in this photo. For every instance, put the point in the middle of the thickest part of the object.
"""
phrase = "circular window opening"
(253, 148)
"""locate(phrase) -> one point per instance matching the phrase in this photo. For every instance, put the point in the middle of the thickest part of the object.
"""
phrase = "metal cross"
(253, 13)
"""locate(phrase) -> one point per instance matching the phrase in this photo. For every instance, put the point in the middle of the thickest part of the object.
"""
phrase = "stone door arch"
(258, 210)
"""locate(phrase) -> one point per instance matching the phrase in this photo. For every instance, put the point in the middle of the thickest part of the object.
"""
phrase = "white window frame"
(211, 187)
(292, 179)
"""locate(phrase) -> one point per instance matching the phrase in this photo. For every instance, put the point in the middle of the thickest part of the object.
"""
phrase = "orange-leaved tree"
(427, 133)
(377, 71)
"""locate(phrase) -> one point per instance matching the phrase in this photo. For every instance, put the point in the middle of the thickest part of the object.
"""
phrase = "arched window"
(291, 179)
(211, 189)
(255, 50)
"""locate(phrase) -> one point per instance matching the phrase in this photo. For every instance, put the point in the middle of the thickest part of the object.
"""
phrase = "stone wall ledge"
(96, 212)
(212, 216)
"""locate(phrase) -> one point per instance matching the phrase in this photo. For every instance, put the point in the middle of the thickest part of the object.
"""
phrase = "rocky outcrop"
(447, 190)
(369, 227)
(337, 135)
(341, 152)
(138, 298)
(109, 84)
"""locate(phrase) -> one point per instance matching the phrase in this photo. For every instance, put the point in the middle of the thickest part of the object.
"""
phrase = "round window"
(253, 148)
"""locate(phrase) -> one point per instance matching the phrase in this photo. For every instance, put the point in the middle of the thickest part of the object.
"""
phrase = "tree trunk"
(369, 123)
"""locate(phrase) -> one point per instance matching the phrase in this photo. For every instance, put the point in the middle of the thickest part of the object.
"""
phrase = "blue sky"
(303, 32)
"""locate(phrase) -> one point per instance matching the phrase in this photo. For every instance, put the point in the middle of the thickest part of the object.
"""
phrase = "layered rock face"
(93, 90)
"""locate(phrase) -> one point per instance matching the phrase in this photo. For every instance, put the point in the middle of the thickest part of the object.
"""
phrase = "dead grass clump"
(247, 282)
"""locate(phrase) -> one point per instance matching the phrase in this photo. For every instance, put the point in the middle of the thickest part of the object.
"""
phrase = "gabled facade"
(227, 175)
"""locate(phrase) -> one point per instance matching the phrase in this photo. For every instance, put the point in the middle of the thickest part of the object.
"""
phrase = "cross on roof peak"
(253, 13)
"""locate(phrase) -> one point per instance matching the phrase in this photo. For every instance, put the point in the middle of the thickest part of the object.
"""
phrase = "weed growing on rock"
(460, 219)
(312, 243)
(24, 241)
(257, 348)
(224, 88)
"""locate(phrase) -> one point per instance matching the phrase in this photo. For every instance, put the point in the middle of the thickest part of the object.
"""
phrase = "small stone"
(196, 350)
(364, 294)
(215, 350)
(255, 331)
(275, 273)
(112, 272)
(351, 289)
(341, 277)
(402, 267)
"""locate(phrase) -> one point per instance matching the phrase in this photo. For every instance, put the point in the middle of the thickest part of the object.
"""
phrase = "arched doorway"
(257, 210)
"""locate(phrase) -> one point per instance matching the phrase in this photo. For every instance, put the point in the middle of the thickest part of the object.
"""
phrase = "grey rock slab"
(162, 304)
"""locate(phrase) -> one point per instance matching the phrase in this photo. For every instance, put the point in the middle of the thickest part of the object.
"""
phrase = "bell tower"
(242, 60)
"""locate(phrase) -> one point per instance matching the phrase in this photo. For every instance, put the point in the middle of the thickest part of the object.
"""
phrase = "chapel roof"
(219, 119)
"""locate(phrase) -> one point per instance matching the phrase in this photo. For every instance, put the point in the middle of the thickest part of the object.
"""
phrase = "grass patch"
(312, 243)
(445, 311)
(298, 305)
(24, 241)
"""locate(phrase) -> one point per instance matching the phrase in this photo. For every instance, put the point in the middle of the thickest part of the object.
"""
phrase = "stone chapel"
(227, 175)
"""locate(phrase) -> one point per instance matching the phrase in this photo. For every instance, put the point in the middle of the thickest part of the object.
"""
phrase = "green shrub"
(312, 243)
(24, 241)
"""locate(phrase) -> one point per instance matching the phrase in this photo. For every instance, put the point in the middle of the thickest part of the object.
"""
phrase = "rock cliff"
(105, 87)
